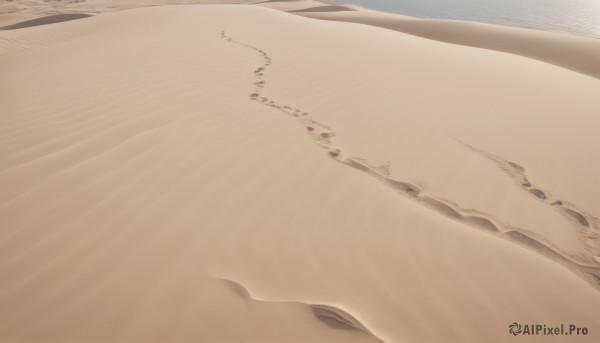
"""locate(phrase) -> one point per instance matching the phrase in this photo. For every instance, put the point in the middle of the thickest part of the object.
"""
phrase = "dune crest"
(331, 316)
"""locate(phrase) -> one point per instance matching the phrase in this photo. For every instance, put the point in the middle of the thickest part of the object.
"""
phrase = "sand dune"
(200, 173)
(581, 54)
(45, 21)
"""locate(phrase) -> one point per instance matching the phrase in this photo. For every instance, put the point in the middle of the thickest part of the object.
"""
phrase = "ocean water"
(581, 17)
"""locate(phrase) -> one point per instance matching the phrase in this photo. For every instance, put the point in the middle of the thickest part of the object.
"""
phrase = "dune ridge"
(329, 315)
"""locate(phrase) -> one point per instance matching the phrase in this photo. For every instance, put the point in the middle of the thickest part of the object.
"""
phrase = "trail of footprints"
(589, 223)
(322, 135)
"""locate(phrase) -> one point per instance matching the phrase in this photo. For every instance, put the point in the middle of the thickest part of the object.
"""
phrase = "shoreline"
(534, 28)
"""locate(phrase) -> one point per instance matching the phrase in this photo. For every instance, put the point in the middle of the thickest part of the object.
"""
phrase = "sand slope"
(577, 53)
(201, 173)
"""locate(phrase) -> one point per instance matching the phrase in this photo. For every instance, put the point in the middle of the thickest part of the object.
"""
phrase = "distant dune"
(580, 54)
(236, 173)
(51, 19)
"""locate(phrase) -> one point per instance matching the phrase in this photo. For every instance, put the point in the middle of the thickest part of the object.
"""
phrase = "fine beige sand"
(581, 54)
(236, 173)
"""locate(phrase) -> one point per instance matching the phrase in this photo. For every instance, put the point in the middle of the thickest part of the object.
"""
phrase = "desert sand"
(237, 173)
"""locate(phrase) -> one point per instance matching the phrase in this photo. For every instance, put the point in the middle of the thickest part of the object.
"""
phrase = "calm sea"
(581, 17)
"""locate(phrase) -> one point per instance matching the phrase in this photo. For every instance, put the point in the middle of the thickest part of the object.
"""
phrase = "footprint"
(580, 218)
(352, 162)
(384, 169)
(517, 167)
(538, 193)
(404, 187)
(334, 153)
(323, 136)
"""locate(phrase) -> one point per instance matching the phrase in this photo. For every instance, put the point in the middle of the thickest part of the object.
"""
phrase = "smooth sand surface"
(230, 173)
